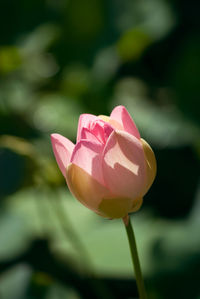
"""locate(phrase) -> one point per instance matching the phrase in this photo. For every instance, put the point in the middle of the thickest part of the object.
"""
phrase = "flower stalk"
(135, 258)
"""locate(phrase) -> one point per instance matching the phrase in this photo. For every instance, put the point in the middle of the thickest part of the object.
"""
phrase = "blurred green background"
(61, 58)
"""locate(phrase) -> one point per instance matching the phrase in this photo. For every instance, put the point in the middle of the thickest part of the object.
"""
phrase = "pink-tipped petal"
(101, 130)
(121, 115)
(85, 188)
(123, 165)
(62, 148)
(87, 155)
(88, 135)
(98, 130)
(151, 166)
(84, 122)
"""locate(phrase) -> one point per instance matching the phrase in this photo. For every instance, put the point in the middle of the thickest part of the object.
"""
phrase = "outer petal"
(95, 196)
(118, 207)
(121, 115)
(123, 165)
(151, 165)
(84, 121)
(87, 155)
(62, 148)
(85, 188)
(136, 205)
(115, 207)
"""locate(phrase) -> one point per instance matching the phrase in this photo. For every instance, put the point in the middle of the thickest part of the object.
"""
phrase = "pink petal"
(101, 130)
(84, 121)
(123, 165)
(115, 124)
(87, 155)
(121, 115)
(86, 134)
(98, 130)
(62, 148)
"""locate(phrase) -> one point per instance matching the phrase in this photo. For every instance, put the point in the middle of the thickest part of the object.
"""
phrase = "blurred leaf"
(185, 77)
(16, 96)
(14, 234)
(132, 44)
(56, 113)
(105, 65)
(10, 59)
(18, 145)
(154, 17)
(76, 80)
(39, 40)
(39, 67)
(101, 236)
(82, 23)
(57, 291)
(14, 283)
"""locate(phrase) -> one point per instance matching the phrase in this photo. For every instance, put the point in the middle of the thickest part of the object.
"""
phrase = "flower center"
(101, 130)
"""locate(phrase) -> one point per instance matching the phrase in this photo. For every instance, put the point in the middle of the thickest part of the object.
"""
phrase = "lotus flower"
(110, 168)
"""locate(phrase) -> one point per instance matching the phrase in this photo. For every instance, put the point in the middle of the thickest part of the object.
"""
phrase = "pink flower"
(110, 168)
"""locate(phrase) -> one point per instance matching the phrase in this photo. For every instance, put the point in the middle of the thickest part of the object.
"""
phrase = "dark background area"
(61, 58)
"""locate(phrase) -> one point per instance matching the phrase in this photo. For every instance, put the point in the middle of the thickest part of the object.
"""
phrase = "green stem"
(135, 258)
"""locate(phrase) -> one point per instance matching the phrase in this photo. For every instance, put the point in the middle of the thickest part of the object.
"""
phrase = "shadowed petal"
(121, 115)
(151, 165)
(87, 155)
(123, 165)
(136, 205)
(85, 188)
(88, 135)
(115, 207)
(62, 148)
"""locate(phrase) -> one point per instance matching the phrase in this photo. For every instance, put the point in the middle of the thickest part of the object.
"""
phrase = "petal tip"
(121, 114)
(62, 148)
